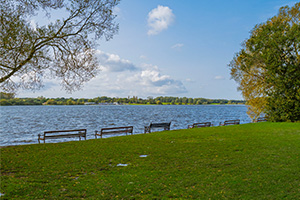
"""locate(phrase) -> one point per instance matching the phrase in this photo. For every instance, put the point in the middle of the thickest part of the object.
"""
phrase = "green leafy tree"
(80, 101)
(51, 102)
(63, 49)
(268, 67)
(70, 102)
(5, 102)
(184, 100)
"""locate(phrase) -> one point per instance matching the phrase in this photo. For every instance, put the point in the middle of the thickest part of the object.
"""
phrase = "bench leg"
(39, 138)
(147, 129)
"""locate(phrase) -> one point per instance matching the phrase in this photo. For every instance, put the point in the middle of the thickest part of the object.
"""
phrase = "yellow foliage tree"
(267, 69)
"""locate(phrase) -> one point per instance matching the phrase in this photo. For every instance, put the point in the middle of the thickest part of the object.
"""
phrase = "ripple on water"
(22, 124)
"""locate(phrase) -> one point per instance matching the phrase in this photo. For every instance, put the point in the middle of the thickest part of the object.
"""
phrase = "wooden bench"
(114, 130)
(166, 126)
(199, 125)
(62, 134)
(261, 119)
(230, 122)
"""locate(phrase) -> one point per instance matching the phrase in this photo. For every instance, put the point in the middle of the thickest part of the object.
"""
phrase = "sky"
(176, 48)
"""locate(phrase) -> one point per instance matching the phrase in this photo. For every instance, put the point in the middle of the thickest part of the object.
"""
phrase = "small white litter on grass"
(1, 194)
(143, 156)
(122, 165)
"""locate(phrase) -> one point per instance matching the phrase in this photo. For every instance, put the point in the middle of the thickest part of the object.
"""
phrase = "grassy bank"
(251, 161)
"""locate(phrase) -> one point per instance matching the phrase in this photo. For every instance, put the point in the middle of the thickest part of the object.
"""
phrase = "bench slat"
(61, 136)
(64, 131)
(261, 119)
(123, 127)
(117, 131)
(160, 124)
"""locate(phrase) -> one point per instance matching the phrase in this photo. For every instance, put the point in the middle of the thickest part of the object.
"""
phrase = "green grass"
(251, 161)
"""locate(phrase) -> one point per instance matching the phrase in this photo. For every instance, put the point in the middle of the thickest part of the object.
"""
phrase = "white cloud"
(159, 19)
(145, 81)
(219, 77)
(177, 46)
(152, 77)
(119, 77)
(113, 62)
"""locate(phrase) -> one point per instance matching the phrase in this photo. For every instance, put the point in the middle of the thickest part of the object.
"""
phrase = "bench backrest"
(78, 132)
(202, 124)
(231, 122)
(65, 131)
(261, 119)
(114, 130)
(160, 125)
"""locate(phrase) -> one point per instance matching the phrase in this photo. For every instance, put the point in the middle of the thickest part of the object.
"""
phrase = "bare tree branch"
(56, 47)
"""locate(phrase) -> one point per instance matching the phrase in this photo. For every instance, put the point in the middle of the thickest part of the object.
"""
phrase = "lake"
(21, 124)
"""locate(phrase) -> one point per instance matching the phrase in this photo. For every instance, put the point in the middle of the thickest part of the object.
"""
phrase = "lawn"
(250, 161)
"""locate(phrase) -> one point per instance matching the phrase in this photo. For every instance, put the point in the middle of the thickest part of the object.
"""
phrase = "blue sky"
(172, 48)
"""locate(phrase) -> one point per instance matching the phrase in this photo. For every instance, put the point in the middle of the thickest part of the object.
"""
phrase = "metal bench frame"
(62, 134)
(200, 125)
(230, 122)
(166, 126)
(261, 119)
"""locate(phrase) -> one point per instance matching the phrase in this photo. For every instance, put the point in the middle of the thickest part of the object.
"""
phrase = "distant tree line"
(7, 99)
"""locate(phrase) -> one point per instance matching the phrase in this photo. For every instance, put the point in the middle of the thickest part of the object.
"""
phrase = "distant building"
(89, 103)
(108, 104)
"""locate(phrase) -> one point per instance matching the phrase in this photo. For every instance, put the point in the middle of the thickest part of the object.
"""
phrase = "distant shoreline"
(7, 99)
(133, 105)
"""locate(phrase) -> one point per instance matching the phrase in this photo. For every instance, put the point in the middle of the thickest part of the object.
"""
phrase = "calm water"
(21, 124)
